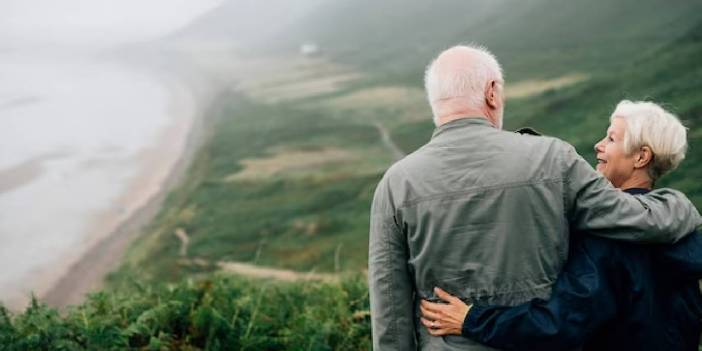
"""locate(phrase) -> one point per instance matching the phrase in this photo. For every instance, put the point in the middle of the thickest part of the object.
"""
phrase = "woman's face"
(612, 162)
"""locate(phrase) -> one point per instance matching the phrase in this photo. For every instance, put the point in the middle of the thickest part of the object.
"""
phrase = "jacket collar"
(460, 123)
(636, 191)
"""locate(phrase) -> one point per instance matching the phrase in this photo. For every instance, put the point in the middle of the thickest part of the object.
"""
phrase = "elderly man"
(486, 213)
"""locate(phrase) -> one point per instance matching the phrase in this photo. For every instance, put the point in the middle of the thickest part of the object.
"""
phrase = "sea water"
(73, 132)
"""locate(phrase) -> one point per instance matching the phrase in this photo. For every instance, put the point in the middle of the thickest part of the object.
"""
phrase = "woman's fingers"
(431, 306)
(434, 327)
(444, 319)
(429, 324)
(444, 295)
(439, 332)
(429, 314)
(440, 327)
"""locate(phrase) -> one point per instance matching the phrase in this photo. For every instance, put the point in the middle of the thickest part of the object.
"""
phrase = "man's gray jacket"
(485, 214)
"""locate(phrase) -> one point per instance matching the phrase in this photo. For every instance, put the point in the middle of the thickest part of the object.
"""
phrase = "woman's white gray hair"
(648, 124)
(468, 83)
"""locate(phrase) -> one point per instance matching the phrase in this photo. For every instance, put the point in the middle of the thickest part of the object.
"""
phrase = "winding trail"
(251, 270)
(184, 241)
(397, 153)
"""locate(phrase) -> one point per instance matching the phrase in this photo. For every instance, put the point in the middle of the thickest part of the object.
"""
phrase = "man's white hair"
(648, 124)
(468, 82)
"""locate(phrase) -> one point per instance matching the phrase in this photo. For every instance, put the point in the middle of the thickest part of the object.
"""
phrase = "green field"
(287, 178)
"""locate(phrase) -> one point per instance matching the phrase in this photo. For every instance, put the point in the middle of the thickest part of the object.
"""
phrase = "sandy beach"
(79, 266)
(162, 167)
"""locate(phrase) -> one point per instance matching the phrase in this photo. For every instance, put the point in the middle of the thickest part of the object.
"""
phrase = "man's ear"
(643, 157)
(491, 96)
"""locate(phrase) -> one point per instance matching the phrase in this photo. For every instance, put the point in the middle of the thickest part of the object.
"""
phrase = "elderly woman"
(610, 295)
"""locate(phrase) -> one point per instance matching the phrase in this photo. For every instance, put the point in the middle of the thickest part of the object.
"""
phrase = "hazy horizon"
(98, 23)
(78, 128)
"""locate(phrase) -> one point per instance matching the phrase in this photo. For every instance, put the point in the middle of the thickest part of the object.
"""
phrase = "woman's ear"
(643, 157)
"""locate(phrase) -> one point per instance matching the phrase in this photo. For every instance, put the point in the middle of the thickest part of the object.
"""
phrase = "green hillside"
(287, 178)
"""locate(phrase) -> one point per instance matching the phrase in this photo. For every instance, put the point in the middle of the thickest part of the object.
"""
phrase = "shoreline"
(103, 254)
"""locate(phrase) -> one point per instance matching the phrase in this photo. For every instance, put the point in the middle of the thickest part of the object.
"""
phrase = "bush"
(217, 313)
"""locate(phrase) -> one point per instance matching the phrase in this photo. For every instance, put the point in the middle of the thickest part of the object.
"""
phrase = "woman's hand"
(444, 319)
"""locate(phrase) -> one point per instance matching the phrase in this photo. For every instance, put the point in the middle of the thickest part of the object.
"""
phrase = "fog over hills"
(396, 37)
(245, 22)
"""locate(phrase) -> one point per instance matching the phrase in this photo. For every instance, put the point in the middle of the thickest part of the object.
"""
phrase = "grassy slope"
(317, 218)
(298, 220)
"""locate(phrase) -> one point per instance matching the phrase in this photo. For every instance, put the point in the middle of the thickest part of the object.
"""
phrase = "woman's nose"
(598, 146)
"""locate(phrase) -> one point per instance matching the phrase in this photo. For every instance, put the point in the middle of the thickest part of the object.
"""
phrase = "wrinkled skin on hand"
(444, 318)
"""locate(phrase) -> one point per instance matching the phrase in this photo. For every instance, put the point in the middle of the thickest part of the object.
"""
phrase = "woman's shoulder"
(608, 252)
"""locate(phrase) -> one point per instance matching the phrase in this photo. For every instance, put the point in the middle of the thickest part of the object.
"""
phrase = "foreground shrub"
(219, 313)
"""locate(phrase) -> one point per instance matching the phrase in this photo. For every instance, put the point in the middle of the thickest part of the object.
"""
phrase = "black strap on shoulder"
(527, 131)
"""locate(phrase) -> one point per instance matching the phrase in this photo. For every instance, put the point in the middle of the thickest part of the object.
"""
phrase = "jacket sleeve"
(582, 299)
(684, 258)
(594, 205)
(391, 291)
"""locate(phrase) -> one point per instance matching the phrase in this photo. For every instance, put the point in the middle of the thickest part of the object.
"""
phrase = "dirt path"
(533, 87)
(397, 153)
(250, 270)
(184, 241)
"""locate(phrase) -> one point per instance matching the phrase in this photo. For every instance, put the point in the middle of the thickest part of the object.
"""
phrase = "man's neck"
(452, 109)
(451, 118)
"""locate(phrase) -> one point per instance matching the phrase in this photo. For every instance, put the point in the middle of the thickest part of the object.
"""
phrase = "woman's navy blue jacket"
(610, 295)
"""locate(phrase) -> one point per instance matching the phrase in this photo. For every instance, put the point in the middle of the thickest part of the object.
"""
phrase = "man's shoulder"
(535, 149)
(417, 158)
(529, 134)
(396, 172)
(525, 141)
(529, 140)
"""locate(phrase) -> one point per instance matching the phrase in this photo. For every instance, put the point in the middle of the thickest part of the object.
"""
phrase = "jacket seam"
(412, 202)
(393, 329)
(503, 292)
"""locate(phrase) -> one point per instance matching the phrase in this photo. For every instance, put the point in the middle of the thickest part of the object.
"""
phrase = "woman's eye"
(610, 139)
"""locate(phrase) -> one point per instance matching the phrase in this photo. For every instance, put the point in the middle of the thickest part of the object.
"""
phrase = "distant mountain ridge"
(395, 38)
(397, 34)
(244, 22)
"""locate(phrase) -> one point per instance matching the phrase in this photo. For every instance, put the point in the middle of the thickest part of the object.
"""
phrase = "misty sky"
(93, 22)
